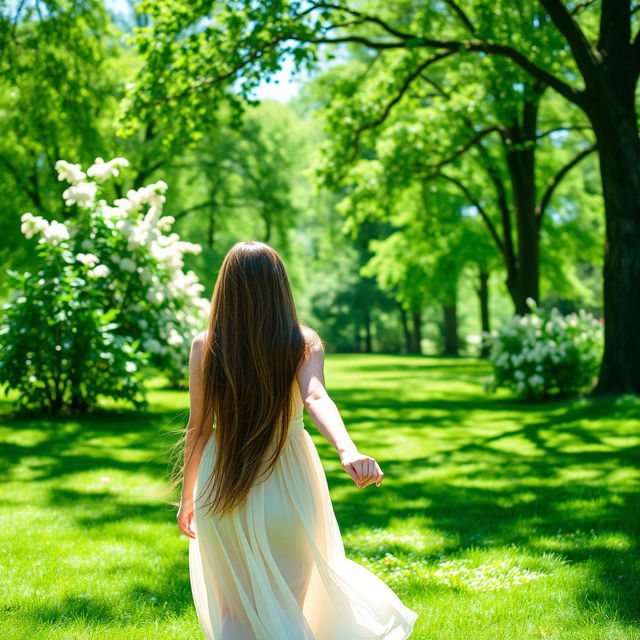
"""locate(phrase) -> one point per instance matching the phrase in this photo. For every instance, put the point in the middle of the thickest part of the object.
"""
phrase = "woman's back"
(275, 567)
(267, 562)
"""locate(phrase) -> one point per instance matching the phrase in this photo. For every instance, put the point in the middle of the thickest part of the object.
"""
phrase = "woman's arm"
(325, 415)
(198, 430)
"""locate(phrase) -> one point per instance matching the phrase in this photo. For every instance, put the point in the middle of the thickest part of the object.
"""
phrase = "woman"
(266, 557)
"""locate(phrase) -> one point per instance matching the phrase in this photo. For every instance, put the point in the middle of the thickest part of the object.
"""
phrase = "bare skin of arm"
(364, 470)
(198, 431)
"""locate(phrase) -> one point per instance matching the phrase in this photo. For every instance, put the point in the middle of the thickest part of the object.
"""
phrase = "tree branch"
(402, 41)
(514, 55)
(365, 18)
(462, 15)
(579, 8)
(570, 93)
(578, 127)
(582, 50)
(553, 183)
(188, 210)
(462, 148)
(401, 92)
(371, 44)
(479, 207)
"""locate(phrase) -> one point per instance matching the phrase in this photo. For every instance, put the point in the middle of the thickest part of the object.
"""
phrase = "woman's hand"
(185, 518)
(363, 469)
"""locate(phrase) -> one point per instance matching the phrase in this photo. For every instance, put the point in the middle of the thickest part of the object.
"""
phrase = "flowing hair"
(252, 350)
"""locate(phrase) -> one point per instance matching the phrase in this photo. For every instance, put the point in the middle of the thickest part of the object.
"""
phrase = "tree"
(61, 68)
(562, 43)
(490, 150)
(248, 169)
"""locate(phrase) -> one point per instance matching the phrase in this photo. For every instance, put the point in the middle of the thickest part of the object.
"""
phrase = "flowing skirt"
(275, 567)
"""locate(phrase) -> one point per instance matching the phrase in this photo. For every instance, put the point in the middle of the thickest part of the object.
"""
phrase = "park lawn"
(496, 519)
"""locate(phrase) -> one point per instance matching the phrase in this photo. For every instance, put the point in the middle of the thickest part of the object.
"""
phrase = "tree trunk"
(405, 328)
(267, 227)
(521, 163)
(483, 296)
(450, 326)
(367, 330)
(416, 317)
(211, 226)
(616, 131)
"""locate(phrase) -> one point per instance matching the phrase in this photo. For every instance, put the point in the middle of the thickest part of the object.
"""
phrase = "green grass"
(496, 519)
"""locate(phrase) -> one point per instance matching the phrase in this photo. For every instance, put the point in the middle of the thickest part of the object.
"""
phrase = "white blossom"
(139, 236)
(69, 172)
(102, 170)
(203, 303)
(100, 271)
(155, 193)
(155, 296)
(82, 193)
(125, 227)
(164, 224)
(87, 259)
(32, 224)
(107, 211)
(189, 247)
(141, 243)
(55, 233)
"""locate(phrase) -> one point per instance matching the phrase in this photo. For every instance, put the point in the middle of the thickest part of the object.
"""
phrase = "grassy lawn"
(496, 519)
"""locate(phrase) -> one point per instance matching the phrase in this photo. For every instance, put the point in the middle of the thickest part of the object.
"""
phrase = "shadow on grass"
(514, 484)
(65, 446)
(570, 499)
(139, 604)
(122, 442)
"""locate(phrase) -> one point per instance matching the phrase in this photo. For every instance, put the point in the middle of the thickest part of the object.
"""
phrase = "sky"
(287, 87)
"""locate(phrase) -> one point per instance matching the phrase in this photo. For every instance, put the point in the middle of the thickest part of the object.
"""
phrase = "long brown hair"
(253, 348)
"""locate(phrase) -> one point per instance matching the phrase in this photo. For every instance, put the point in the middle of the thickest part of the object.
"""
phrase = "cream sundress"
(275, 567)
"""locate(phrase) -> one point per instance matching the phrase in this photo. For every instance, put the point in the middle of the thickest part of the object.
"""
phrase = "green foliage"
(109, 294)
(56, 91)
(60, 348)
(380, 130)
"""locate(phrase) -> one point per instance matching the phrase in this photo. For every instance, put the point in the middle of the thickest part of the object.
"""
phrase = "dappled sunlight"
(530, 508)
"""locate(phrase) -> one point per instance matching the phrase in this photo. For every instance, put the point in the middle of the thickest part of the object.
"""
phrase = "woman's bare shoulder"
(199, 339)
(311, 337)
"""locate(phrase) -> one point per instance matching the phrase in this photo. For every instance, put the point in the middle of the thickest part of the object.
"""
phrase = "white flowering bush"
(110, 296)
(545, 353)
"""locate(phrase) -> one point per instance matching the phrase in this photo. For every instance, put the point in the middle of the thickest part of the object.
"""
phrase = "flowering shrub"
(110, 295)
(545, 353)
